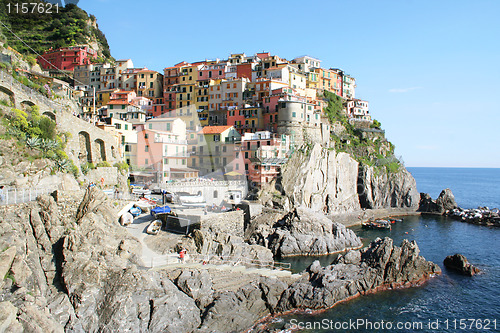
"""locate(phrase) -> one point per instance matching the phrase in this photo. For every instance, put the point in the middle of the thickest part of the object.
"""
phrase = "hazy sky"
(430, 69)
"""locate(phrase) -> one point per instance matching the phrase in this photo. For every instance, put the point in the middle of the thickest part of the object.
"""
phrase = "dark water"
(449, 296)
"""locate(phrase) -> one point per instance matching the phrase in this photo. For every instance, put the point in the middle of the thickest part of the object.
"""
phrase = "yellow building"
(187, 86)
(149, 84)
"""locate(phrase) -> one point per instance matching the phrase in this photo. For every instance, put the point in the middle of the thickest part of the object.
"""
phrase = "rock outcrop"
(445, 201)
(459, 263)
(301, 232)
(333, 182)
(321, 179)
(382, 190)
(378, 266)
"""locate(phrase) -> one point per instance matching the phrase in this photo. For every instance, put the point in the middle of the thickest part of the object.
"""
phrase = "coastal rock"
(445, 201)
(197, 284)
(378, 266)
(228, 247)
(322, 180)
(302, 232)
(460, 264)
(236, 311)
(382, 190)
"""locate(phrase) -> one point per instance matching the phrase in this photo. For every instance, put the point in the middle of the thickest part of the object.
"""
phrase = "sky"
(430, 69)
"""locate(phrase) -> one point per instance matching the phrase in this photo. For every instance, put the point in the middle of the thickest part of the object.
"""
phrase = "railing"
(173, 259)
(206, 183)
(13, 196)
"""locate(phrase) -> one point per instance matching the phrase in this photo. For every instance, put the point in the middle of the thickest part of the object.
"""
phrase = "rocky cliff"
(334, 182)
(322, 180)
(382, 189)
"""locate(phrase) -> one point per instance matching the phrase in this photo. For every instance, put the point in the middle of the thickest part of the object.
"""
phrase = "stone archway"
(85, 154)
(99, 151)
(6, 93)
(51, 115)
(26, 104)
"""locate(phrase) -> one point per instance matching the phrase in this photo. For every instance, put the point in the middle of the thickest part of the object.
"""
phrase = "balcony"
(176, 155)
(172, 141)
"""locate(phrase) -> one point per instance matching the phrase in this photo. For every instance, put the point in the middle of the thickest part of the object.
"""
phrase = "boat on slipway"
(154, 227)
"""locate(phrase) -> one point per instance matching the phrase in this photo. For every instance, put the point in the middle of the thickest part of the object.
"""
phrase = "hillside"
(70, 26)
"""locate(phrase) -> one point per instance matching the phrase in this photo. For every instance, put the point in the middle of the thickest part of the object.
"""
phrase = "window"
(223, 149)
(294, 114)
(150, 126)
(146, 148)
(246, 154)
(146, 136)
(146, 161)
(165, 161)
(216, 194)
(168, 127)
(127, 148)
(237, 166)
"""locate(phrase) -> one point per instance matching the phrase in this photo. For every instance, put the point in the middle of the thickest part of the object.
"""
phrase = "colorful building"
(163, 151)
(215, 148)
(67, 58)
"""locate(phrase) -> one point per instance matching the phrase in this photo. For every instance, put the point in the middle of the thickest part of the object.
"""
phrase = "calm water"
(446, 297)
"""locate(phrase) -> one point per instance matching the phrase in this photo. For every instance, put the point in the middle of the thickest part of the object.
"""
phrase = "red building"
(244, 70)
(66, 58)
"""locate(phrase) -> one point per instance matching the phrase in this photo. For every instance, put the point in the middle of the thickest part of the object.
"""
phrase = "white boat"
(192, 200)
(126, 219)
(154, 227)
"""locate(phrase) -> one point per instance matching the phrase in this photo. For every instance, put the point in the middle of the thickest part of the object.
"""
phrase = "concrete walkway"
(150, 258)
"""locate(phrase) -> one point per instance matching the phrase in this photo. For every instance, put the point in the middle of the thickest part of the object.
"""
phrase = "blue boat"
(160, 210)
(135, 211)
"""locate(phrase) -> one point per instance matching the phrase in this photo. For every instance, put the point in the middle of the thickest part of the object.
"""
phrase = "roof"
(214, 129)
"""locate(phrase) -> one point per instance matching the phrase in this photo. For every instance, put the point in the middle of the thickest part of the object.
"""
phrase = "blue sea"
(447, 303)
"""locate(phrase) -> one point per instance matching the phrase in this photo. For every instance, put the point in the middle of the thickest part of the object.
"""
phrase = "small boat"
(395, 220)
(160, 210)
(377, 224)
(192, 200)
(135, 211)
(126, 219)
(154, 227)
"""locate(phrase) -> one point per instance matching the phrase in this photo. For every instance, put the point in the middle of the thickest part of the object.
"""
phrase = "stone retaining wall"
(229, 223)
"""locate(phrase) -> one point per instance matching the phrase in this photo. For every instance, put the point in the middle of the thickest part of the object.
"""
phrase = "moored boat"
(135, 211)
(377, 224)
(160, 210)
(395, 220)
(154, 227)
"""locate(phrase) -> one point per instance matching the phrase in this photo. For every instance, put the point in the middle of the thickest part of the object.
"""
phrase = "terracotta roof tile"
(213, 129)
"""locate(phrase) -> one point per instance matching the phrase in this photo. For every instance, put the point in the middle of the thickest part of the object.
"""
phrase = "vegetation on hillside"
(70, 26)
(36, 136)
(373, 150)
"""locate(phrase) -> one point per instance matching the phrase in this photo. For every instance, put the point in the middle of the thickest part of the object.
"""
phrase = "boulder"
(460, 264)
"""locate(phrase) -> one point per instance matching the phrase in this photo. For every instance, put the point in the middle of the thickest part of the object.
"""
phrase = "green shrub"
(103, 164)
(123, 166)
